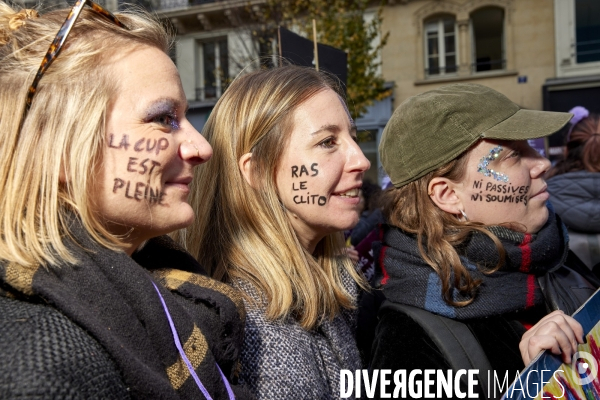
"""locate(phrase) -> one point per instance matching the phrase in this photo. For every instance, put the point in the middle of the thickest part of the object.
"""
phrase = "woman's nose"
(356, 159)
(540, 167)
(194, 148)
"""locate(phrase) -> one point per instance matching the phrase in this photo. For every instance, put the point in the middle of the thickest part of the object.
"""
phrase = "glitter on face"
(482, 167)
(164, 112)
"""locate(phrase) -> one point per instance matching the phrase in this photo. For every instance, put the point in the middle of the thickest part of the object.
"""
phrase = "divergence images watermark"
(462, 383)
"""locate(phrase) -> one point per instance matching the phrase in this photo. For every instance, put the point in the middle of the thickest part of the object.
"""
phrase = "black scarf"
(407, 279)
(111, 296)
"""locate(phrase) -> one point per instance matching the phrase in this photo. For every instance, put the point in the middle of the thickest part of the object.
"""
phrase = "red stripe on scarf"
(381, 257)
(530, 302)
(525, 253)
(525, 264)
(527, 325)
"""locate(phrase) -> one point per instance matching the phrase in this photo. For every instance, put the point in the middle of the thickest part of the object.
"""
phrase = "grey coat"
(576, 199)
(281, 360)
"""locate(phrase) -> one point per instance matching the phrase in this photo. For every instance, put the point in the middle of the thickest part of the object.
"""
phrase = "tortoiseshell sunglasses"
(60, 38)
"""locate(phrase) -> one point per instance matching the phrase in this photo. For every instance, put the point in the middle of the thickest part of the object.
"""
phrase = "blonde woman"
(97, 158)
(271, 208)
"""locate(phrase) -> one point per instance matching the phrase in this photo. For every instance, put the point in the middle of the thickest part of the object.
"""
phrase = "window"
(214, 69)
(440, 45)
(488, 39)
(587, 30)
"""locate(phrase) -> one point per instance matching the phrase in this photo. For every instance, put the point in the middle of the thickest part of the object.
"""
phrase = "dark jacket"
(402, 344)
(576, 198)
(98, 329)
(501, 310)
(367, 222)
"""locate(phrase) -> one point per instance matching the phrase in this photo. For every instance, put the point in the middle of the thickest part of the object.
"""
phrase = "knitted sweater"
(281, 360)
(47, 356)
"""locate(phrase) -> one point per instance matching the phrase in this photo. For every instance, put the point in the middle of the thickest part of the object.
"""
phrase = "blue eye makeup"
(167, 120)
(484, 163)
(163, 112)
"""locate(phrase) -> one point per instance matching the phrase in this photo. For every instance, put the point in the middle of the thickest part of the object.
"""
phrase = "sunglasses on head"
(60, 39)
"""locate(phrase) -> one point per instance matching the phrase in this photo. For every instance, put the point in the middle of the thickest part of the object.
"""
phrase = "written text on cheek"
(140, 145)
(139, 191)
(136, 190)
(299, 172)
(500, 193)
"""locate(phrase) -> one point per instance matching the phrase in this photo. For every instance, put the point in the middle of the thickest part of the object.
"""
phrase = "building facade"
(215, 43)
(505, 44)
(577, 60)
(542, 54)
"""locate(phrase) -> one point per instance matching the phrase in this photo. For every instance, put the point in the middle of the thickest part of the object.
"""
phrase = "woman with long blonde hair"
(272, 207)
(96, 302)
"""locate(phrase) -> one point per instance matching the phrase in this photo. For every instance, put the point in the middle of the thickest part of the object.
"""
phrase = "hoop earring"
(464, 215)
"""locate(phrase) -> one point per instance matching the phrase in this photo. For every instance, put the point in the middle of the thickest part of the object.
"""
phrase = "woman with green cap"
(471, 238)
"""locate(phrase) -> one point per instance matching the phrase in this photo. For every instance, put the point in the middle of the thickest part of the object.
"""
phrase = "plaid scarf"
(111, 296)
(407, 279)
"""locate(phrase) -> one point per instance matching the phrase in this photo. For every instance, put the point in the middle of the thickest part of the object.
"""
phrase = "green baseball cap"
(431, 129)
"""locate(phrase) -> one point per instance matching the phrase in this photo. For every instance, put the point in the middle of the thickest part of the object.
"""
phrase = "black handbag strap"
(454, 339)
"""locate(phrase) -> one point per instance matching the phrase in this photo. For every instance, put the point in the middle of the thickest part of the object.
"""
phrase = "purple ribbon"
(186, 360)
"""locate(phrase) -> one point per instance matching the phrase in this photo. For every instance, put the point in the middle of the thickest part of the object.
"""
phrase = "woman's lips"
(350, 196)
(348, 200)
(182, 183)
(542, 194)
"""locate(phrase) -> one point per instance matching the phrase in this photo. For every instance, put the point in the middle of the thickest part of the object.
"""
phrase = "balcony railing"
(47, 5)
(437, 71)
(492, 65)
(588, 51)
(171, 4)
(207, 93)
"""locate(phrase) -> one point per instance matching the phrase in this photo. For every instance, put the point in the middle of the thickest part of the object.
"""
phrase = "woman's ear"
(245, 164)
(443, 193)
